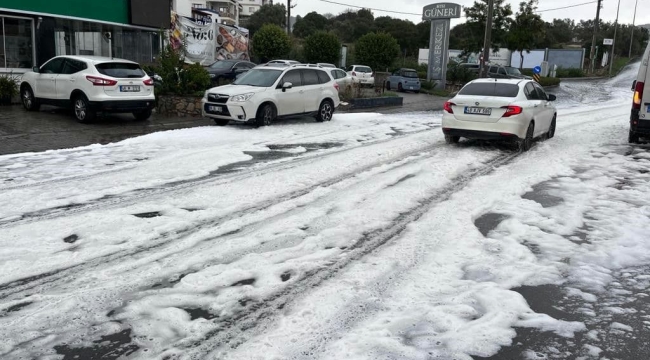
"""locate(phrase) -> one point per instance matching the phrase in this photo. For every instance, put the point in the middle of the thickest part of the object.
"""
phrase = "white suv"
(89, 84)
(268, 92)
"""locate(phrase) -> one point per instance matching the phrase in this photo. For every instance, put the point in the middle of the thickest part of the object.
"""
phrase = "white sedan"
(500, 109)
(344, 80)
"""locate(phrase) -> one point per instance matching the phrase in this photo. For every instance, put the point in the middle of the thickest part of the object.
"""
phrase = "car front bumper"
(505, 128)
(229, 111)
(121, 106)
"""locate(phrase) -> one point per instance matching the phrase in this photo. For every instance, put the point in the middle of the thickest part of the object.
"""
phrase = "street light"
(611, 62)
(629, 55)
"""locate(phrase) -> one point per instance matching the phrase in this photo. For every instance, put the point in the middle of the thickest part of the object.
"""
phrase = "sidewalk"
(412, 103)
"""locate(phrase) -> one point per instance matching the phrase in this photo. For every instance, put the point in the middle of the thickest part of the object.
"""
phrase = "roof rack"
(307, 65)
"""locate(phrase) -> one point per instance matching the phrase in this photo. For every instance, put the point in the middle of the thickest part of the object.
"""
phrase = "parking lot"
(52, 128)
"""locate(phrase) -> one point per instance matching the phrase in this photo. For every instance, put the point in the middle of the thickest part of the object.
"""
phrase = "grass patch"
(435, 92)
(619, 64)
(389, 94)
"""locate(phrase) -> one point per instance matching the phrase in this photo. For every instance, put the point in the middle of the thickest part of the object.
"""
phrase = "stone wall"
(182, 106)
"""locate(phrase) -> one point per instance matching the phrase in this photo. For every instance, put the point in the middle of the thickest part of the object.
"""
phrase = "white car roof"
(501, 81)
(96, 59)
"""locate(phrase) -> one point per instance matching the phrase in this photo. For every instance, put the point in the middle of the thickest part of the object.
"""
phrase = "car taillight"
(98, 81)
(638, 95)
(447, 107)
(354, 73)
(336, 86)
(512, 110)
(148, 82)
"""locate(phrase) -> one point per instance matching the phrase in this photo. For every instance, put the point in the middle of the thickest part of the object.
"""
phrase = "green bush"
(322, 47)
(549, 81)
(271, 42)
(428, 85)
(194, 79)
(569, 73)
(377, 50)
(178, 78)
(528, 72)
(8, 86)
(459, 74)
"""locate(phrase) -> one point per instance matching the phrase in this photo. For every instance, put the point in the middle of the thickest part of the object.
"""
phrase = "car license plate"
(213, 108)
(478, 110)
(129, 88)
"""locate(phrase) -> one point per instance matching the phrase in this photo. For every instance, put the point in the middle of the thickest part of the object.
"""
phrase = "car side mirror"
(633, 85)
(36, 69)
(286, 85)
(551, 97)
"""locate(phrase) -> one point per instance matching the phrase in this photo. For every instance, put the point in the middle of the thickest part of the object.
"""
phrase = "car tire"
(633, 138)
(551, 129)
(325, 111)
(221, 122)
(81, 108)
(399, 87)
(29, 101)
(265, 115)
(449, 139)
(387, 85)
(417, 91)
(142, 115)
(526, 143)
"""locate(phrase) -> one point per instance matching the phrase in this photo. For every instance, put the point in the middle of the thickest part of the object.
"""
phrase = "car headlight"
(205, 96)
(242, 97)
(212, 75)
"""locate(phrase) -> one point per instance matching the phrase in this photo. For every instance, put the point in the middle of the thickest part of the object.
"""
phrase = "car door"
(502, 73)
(394, 79)
(547, 110)
(492, 72)
(291, 101)
(534, 106)
(65, 82)
(312, 89)
(46, 79)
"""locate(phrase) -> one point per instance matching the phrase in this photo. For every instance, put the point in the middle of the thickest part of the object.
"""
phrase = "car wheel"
(29, 102)
(387, 85)
(265, 115)
(449, 139)
(221, 122)
(325, 111)
(551, 129)
(82, 111)
(142, 115)
(399, 87)
(526, 143)
(633, 138)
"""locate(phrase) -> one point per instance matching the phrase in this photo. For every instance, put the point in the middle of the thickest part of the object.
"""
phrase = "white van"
(640, 116)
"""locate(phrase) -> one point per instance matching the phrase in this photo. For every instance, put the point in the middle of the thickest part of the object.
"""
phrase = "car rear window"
(410, 74)
(490, 89)
(363, 69)
(120, 70)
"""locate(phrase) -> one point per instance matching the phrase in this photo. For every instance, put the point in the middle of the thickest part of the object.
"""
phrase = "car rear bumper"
(639, 126)
(118, 106)
(512, 127)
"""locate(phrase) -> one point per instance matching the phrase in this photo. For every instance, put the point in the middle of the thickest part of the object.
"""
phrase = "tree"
(267, 14)
(404, 31)
(310, 24)
(526, 30)
(350, 26)
(271, 42)
(377, 50)
(476, 19)
(322, 47)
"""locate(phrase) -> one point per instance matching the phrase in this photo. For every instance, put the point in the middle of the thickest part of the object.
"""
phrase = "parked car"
(342, 78)
(640, 114)
(286, 62)
(500, 109)
(89, 84)
(475, 68)
(267, 93)
(403, 80)
(505, 72)
(327, 65)
(227, 69)
(362, 74)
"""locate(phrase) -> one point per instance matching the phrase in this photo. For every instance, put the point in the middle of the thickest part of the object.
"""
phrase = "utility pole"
(592, 54)
(487, 43)
(629, 56)
(611, 62)
(289, 7)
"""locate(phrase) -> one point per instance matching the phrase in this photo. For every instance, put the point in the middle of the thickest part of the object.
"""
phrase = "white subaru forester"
(89, 84)
(268, 92)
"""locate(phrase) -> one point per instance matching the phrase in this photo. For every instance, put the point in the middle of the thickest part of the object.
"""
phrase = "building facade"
(32, 32)
(228, 12)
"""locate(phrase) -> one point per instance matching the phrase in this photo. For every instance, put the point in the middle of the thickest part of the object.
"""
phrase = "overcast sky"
(583, 12)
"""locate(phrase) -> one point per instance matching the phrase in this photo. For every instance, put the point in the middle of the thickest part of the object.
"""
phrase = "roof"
(96, 59)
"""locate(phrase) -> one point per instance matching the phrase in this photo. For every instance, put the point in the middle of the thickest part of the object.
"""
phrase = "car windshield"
(513, 71)
(258, 77)
(490, 89)
(410, 74)
(120, 70)
(362, 69)
(221, 65)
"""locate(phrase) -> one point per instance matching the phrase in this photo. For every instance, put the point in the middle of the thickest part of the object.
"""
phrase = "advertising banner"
(231, 43)
(199, 39)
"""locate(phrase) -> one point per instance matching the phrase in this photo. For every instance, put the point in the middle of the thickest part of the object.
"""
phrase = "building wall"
(103, 10)
(250, 6)
(184, 7)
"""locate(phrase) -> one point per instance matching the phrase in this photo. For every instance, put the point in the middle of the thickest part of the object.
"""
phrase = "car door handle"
(72, 80)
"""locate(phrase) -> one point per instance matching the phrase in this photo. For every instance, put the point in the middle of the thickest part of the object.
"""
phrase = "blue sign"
(537, 70)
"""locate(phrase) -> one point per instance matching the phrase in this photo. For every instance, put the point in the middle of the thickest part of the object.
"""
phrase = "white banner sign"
(608, 41)
(199, 39)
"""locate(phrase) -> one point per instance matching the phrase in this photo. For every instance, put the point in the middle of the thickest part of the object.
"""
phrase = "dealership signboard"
(440, 15)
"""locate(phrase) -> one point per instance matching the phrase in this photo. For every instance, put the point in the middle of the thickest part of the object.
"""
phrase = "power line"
(567, 7)
(365, 7)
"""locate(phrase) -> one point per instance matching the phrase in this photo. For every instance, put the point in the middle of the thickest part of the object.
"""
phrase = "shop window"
(17, 47)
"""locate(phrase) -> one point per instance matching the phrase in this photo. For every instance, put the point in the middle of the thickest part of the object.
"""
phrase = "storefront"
(32, 32)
